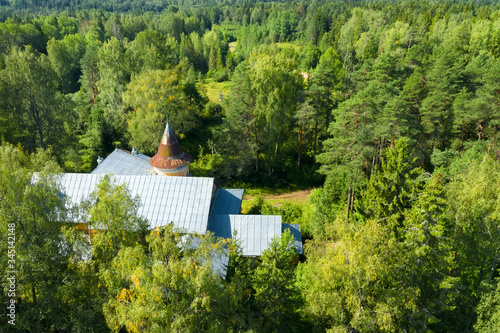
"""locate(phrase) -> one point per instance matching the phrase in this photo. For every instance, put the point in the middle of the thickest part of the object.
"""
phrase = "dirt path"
(298, 196)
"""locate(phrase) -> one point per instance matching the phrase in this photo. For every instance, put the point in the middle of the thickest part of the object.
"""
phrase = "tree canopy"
(388, 111)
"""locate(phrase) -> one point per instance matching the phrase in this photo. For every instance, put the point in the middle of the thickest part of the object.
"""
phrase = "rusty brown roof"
(170, 154)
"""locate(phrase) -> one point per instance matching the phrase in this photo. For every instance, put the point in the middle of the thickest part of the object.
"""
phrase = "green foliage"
(206, 165)
(283, 26)
(428, 71)
(346, 284)
(427, 268)
(50, 293)
(174, 289)
(275, 82)
(366, 123)
(488, 316)
(65, 56)
(261, 105)
(35, 109)
(328, 201)
(92, 142)
(364, 278)
(150, 50)
(275, 294)
(257, 205)
(237, 140)
(290, 212)
(90, 71)
(113, 214)
(33, 212)
(436, 108)
(475, 208)
(153, 96)
(112, 80)
(391, 190)
(220, 75)
(322, 96)
(443, 158)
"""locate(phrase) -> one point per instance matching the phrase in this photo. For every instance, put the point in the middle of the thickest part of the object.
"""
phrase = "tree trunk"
(273, 164)
(315, 139)
(373, 166)
(38, 125)
(327, 120)
(34, 293)
(256, 145)
(40, 136)
(481, 270)
(493, 267)
(352, 198)
(381, 148)
(92, 85)
(300, 146)
(348, 202)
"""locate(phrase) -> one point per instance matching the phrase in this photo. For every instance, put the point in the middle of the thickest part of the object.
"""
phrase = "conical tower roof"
(170, 154)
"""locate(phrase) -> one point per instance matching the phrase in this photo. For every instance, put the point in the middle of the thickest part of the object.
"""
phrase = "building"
(194, 205)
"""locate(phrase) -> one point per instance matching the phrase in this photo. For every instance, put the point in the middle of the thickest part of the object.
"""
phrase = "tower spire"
(171, 160)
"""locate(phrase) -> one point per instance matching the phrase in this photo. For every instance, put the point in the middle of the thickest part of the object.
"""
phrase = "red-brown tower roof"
(170, 154)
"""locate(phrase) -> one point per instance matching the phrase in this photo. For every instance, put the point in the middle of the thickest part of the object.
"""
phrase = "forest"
(389, 110)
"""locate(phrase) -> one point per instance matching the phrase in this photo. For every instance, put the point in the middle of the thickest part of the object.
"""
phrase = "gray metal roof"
(185, 201)
(254, 231)
(120, 162)
(295, 231)
(227, 201)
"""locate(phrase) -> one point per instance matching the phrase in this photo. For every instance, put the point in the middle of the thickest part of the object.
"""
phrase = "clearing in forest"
(297, 196)
(214, 88)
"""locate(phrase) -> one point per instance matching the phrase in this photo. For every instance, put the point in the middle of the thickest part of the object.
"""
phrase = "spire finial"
(167, 126)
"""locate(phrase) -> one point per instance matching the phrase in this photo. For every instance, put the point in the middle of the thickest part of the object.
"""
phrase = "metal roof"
(295, 231)
(120, 162)
(254, 231)
(227, 201)
(185, 201)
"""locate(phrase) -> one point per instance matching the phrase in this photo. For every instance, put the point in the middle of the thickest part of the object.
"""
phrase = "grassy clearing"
(295, 47)
(300, 198)
(295, 197)
(246, 205)
(294, 207)
(214, 88)
(232, 46)
(252, 190)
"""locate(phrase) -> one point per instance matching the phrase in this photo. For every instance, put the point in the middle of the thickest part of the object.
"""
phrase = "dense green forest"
(390, 109)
